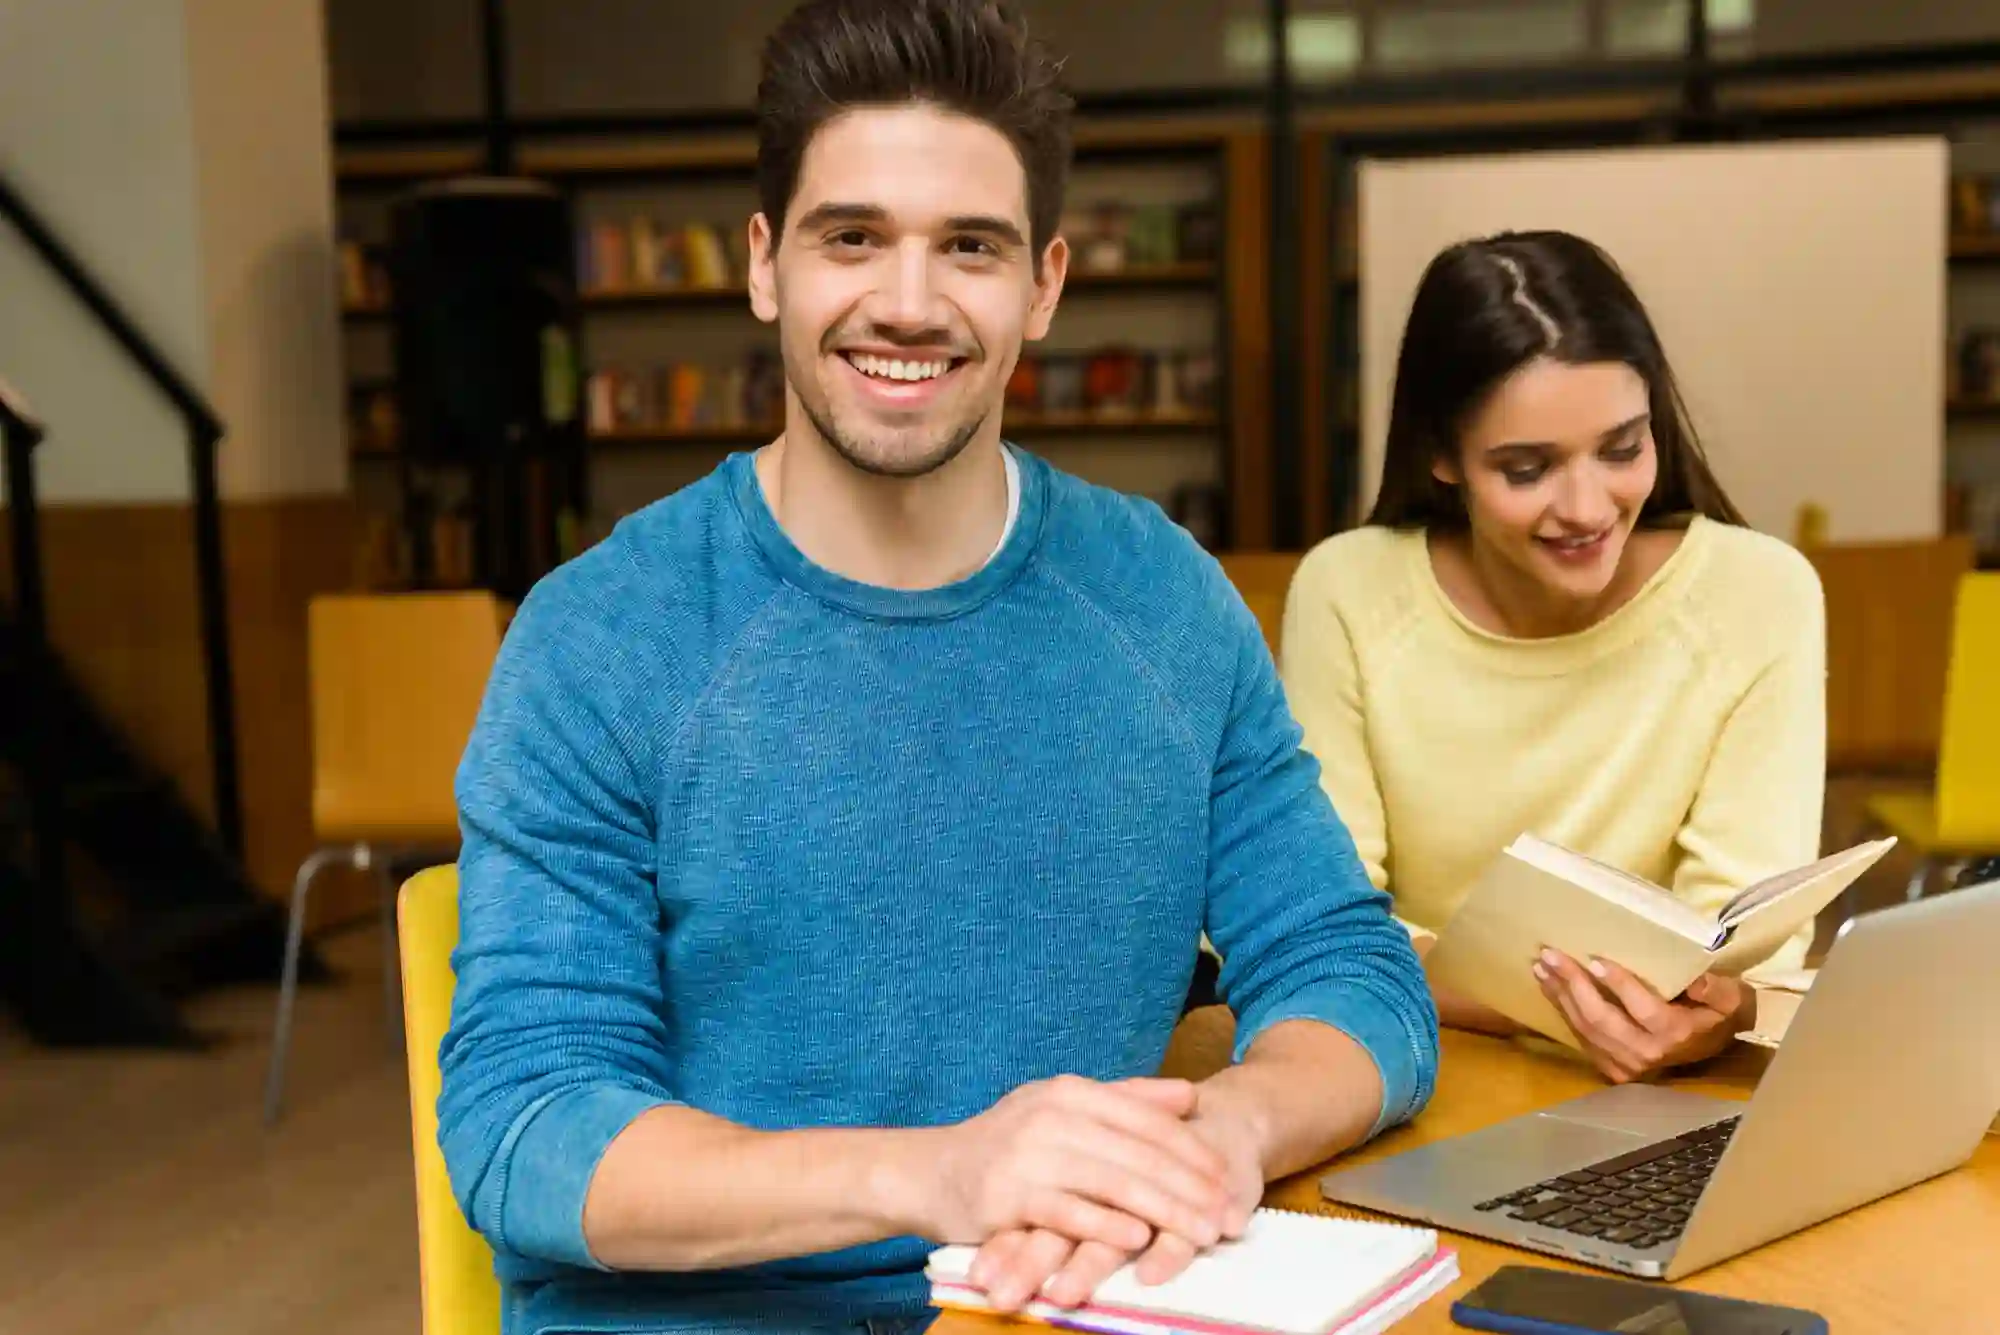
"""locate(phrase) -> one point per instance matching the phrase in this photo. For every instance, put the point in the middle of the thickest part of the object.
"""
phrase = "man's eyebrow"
(834, 213)
(998, 228)
(822, 214)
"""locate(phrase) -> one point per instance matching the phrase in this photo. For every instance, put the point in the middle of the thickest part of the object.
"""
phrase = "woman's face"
(1555, 467)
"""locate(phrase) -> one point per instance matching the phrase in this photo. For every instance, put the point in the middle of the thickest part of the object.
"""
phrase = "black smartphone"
(1531, 1300)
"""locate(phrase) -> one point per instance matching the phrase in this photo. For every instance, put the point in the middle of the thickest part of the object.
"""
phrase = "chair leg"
(1920, 879)
(288, 985)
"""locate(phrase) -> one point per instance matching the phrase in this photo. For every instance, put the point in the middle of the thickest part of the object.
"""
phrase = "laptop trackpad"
(1545, 1144)
(1482, 1164)
(1651, 1112)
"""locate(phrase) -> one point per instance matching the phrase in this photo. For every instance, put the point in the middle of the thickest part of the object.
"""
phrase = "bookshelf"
(1972, 301)
(1151, 380)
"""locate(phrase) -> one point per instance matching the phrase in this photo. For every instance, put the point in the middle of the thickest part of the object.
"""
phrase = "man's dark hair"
(973, 57)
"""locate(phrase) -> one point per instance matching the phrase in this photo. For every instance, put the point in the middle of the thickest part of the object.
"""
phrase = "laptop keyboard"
(1639, 1199)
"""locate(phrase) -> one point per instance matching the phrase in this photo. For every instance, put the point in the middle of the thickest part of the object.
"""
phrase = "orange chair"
(1263, 579)
(1889, 609)
(397, 681)
(454, 1264)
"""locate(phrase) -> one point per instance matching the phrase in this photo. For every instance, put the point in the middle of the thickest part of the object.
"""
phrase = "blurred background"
(328, 326)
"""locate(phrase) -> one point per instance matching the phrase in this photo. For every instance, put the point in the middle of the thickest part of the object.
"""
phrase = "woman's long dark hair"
(1486, 308)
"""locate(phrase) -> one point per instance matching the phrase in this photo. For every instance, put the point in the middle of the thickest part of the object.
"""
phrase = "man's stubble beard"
(851, 450)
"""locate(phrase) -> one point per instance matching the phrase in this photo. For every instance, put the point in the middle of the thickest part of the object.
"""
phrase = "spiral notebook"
(1289, 1274)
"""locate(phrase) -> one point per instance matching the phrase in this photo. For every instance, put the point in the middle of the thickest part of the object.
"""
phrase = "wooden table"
(1924, 1260)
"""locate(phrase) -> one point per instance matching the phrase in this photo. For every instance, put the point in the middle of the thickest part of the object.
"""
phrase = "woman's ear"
(1445, 469)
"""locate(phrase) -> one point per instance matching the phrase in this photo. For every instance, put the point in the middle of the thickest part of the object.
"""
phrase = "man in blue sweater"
(840, 832)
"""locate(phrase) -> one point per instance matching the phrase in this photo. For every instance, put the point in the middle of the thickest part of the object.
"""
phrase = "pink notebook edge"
(1424, 1274)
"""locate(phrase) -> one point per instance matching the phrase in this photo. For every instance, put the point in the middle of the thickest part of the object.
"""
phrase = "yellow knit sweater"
(1682, 738)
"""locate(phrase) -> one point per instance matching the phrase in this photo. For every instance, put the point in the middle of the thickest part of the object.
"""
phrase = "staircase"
(116, 900)
(170, 911)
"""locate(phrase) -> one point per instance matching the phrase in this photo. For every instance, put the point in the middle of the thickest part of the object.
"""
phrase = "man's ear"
(1048, 288)
(763, 274)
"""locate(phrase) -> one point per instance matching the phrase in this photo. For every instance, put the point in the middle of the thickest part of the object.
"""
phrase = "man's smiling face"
(904, 283)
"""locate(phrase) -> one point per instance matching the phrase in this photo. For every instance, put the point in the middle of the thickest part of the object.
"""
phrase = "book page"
(1641, 896)
(1775, 887)
(1757, 933)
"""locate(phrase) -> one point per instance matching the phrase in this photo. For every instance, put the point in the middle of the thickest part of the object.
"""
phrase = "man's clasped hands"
(1066, 1180)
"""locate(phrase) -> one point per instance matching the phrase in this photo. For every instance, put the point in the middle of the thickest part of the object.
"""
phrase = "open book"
(1540, 894)
(1289, 1274)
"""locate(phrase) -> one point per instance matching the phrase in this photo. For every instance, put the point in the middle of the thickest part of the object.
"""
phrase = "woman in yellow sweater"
(1555, 621)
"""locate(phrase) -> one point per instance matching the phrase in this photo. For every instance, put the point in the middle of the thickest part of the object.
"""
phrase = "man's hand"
(1095, 1163)
(1021, 1263)
(1629, 1030)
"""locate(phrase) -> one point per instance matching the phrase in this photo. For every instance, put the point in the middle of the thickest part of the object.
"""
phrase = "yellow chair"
(1263, 579)
(454, 1264)
(1960, 819)
(396, 681)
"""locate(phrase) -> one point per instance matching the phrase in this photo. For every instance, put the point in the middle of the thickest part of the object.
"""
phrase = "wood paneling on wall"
(122, 611)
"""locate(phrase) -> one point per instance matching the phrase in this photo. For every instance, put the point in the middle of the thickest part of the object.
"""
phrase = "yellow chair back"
(397, 681)
(461, 1296)
(1968, 780)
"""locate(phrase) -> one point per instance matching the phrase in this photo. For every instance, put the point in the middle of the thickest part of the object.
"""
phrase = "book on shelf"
(1289, 1274)
(1111, 236)
(364, 276)
(1975, 205)
(648, 254)
(686, 395)
(1539, 894)
(374, 421)
(1114, 383)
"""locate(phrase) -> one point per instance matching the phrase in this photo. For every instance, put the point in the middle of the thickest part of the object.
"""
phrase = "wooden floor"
(141, 1195)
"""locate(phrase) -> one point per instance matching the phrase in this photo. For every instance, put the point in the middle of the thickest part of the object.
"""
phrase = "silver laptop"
(1889, 1074)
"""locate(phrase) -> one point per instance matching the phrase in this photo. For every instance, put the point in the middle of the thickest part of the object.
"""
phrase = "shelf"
(1975, 248)
(1089, 424)
(396, 167)
(645, 156)
(639, 298)
(1179, 273)
(1077, 424)
(1973, 410)
(685, 435)
(1191, 273)
(664, 156)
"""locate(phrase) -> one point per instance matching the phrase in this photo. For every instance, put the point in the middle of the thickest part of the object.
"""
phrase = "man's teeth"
(894, 368)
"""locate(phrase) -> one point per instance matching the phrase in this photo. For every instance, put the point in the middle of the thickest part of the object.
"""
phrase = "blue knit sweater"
(800, 852)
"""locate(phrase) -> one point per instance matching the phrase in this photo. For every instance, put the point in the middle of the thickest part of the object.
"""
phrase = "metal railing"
(204, 435)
